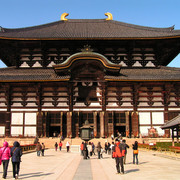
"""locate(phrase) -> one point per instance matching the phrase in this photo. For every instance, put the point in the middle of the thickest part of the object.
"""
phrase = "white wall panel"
(16, 130)
(17, 118)
(159, 130)
(144, 118)
(144, 130)
(2, 130)
(157, 118)
(30, 118)
(30, 131)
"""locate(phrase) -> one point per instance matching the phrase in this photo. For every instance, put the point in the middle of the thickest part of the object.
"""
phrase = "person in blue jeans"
(16, 154)
(135, 152)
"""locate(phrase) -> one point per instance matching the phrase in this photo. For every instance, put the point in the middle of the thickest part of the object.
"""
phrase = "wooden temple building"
(110, 73)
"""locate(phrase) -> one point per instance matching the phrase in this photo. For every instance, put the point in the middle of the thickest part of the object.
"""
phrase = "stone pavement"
(70, 166)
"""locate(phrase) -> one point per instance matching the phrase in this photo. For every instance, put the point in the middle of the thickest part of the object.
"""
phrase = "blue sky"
(153, 13)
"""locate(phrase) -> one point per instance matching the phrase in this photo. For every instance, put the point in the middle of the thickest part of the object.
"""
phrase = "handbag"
(135, 151)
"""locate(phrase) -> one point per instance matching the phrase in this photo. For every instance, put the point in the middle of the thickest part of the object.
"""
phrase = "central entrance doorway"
(120, 124)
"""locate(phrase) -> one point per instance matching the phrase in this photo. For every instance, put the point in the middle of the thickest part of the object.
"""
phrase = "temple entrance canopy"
(87, 65)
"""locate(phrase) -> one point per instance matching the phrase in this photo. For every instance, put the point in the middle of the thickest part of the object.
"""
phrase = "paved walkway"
(71, 166)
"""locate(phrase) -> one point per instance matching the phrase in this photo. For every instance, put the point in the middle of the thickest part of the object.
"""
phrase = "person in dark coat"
(135, 152)
(85, 150)
(99, 147)
(16, 154)
(126, 146)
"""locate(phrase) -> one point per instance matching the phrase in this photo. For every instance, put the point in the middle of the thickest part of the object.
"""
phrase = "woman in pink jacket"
(5, 155)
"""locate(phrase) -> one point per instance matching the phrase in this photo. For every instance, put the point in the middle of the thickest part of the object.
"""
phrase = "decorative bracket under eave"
(63, 16)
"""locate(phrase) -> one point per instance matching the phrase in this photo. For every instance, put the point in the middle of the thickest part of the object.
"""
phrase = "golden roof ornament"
(109, 16)
(63, 16)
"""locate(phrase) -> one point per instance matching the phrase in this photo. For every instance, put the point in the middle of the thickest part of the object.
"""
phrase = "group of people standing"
(87, 149)
(15, 154)
(40, 148)
(120, 151)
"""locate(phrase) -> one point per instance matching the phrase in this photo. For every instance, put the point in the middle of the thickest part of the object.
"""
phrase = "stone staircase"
(50, 142)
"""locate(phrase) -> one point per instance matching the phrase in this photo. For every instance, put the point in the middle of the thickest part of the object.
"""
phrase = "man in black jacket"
(125, 146)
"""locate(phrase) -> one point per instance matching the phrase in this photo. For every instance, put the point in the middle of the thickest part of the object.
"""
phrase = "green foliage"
(166, 144)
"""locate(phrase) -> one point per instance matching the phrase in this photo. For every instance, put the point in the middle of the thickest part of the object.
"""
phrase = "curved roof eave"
(74, 29)
(94, 38)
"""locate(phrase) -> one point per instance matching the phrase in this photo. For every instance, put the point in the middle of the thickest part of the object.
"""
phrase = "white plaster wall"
(112, 104)
(16, 130)
(144, 118)
(159, 130)
(2, 130)
(17, 118)
(63, 104)
(30, 118)
(157, 118)
(31, 105)
(126, 104)
(30, 131)
(158, 104)
(144, 130)
(2, 104)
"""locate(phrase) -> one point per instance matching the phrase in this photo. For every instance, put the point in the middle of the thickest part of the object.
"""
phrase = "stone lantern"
(86, 130)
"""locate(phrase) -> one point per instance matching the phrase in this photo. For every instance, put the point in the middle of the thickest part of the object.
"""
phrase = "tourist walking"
(126, 146)
(16, 154)
(56, 146)
(82, 146)
(119, 150)
(67, 146)
(106, 147)
(60, 145)
(42, 149)
(112, 149)
(135, 152)
(93, 148)
(99, 147)
(85, 151)
(38, 148)
(89, 147)
(5, 155)
(109, 148)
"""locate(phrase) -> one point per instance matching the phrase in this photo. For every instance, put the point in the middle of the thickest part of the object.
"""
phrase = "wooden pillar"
(8, 124)
(166, 119)
(39, 114)
(127, 124)
(47, 123)
(39, 124)
(95, 123)
(106, 124)
(135, 124)
(110, 119)
(177, 132)
(69, 124)
(172, 136)
(8, 114)
(102, 125)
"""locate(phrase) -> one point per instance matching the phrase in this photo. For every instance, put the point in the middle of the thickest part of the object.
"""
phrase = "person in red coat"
(119, 152)
(60, 145)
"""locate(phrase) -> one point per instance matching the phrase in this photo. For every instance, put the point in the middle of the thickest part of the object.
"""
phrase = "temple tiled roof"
(11, 74)
(172, 123)
(87, 29)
